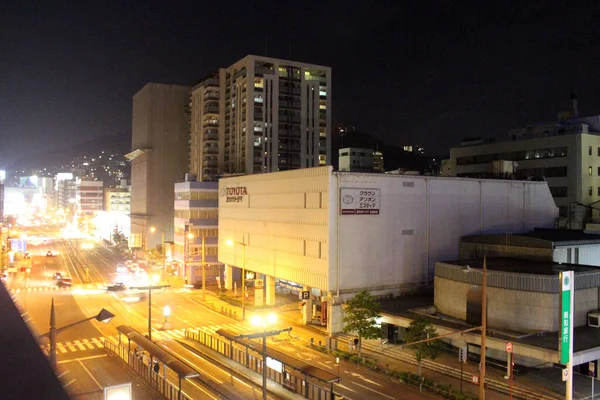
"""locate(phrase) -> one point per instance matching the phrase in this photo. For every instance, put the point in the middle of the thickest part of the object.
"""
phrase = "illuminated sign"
(359, 201)
(566, 316)
(234, 194)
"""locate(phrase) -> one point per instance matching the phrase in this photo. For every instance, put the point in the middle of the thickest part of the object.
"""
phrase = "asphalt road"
(92, 268)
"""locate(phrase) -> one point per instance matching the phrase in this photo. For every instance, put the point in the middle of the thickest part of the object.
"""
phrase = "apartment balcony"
(210, 150)
(211, 109)
(195, 204)
(210, 136)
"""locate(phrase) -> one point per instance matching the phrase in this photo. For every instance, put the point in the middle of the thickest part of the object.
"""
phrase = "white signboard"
(274, 365)
(355, 201)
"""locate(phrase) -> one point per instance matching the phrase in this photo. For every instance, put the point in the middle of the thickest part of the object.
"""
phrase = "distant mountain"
(116, 144)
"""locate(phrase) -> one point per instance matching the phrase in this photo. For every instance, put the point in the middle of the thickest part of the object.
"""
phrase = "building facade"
(89, 195)
(118, 199)
(196, 222)
(260, 115)
(338, 233)
(353, 159)
(159, 143)
(564, 153)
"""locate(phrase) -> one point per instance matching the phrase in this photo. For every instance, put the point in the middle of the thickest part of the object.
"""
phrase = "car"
(58, 276)
(49, 254)
(121, 268)
(64, 282)
(117, 287)
(26, 256)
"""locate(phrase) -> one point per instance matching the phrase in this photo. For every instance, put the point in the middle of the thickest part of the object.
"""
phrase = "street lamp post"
(243, 244)
(264, 322)
(162, 250)
(103, 316)
(189, 237)
(149, 288)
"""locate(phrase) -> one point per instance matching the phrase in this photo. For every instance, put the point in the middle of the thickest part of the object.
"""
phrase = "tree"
(421, 329)
(360, 316)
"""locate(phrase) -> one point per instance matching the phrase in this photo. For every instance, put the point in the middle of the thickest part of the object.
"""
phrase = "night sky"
(423, 71)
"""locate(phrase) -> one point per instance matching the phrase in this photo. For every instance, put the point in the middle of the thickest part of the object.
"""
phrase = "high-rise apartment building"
(160, 129)
(260, 115)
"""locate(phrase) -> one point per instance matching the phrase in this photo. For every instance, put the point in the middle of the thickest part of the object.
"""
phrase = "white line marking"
(345, 387)
(90, 374)
(374, 391)
(325, 365)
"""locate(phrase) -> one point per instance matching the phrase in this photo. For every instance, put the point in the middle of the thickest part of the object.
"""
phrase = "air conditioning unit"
(593, 319)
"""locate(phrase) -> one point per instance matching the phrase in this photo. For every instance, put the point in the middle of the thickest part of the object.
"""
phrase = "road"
(92, 269)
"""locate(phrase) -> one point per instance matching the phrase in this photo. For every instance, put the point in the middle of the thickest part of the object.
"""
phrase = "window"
(590, 190)
(590, 171)
(598, 190)
(598, 151)
(590, 150)
(559, 191)
(598, 171)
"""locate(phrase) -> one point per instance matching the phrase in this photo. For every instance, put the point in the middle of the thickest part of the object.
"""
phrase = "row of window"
(213, 195)
(514, 156)
(590, 151)
(591, 171)
(561, 191)
(197, 214)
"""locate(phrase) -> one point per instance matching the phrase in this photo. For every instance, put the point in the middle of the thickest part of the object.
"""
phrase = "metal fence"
(291, 379)
(144, 370)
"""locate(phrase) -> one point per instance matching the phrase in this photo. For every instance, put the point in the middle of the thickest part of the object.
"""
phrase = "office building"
(65, 191)
(118, 199)
(564, 153)
(260, 115)
(353, 159)
(159, 143)
(331, 232)
(89, 195)
(196, 220)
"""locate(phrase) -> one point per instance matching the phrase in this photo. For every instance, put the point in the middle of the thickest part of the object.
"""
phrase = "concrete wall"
(513, 310)
(159, 123)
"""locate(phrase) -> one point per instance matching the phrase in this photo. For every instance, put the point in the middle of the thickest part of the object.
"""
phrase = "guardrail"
(158, 382)
(518, 391)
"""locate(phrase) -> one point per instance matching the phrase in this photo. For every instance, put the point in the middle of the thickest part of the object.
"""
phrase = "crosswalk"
(38, 289)
(172, 334)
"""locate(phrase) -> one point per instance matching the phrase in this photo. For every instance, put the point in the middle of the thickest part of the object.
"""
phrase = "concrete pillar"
(270, 289)
(228, 277)
(308, 307)
(335, 318)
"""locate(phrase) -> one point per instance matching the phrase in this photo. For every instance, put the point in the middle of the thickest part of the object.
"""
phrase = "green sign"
(566, 316)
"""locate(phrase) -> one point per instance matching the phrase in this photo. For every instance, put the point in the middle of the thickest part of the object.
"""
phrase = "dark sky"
(427, 71)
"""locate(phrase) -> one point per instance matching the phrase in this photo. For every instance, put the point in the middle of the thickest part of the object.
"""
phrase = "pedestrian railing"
(145, 371)
(287, 378)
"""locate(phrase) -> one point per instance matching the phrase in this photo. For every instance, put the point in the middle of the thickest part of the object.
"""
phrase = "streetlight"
(103, 316)
(162, 249)
(243, 244)
(264, 321)
(483, 325)
(166, 313)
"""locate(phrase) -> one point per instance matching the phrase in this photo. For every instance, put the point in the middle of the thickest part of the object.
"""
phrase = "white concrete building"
(196, 211)
(339, 233)
(353, 159)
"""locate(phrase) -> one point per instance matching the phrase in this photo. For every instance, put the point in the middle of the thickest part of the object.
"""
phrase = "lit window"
(590, 171)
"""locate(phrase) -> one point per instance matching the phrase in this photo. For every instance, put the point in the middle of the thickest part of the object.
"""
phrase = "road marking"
(78, 344)
(61, 349)
(345, 387)
(82, 359)
(92, 376)
(374, 391)
(64, 387)
(88, 344)
(325, 365)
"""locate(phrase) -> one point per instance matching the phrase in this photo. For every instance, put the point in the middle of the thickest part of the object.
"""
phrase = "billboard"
(28, 182)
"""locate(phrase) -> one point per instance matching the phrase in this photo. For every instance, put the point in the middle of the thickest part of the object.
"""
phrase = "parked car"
(58, 276)
(49, 254)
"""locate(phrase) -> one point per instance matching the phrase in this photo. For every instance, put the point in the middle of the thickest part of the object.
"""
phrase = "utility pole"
(52, 336)
(483, 329)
